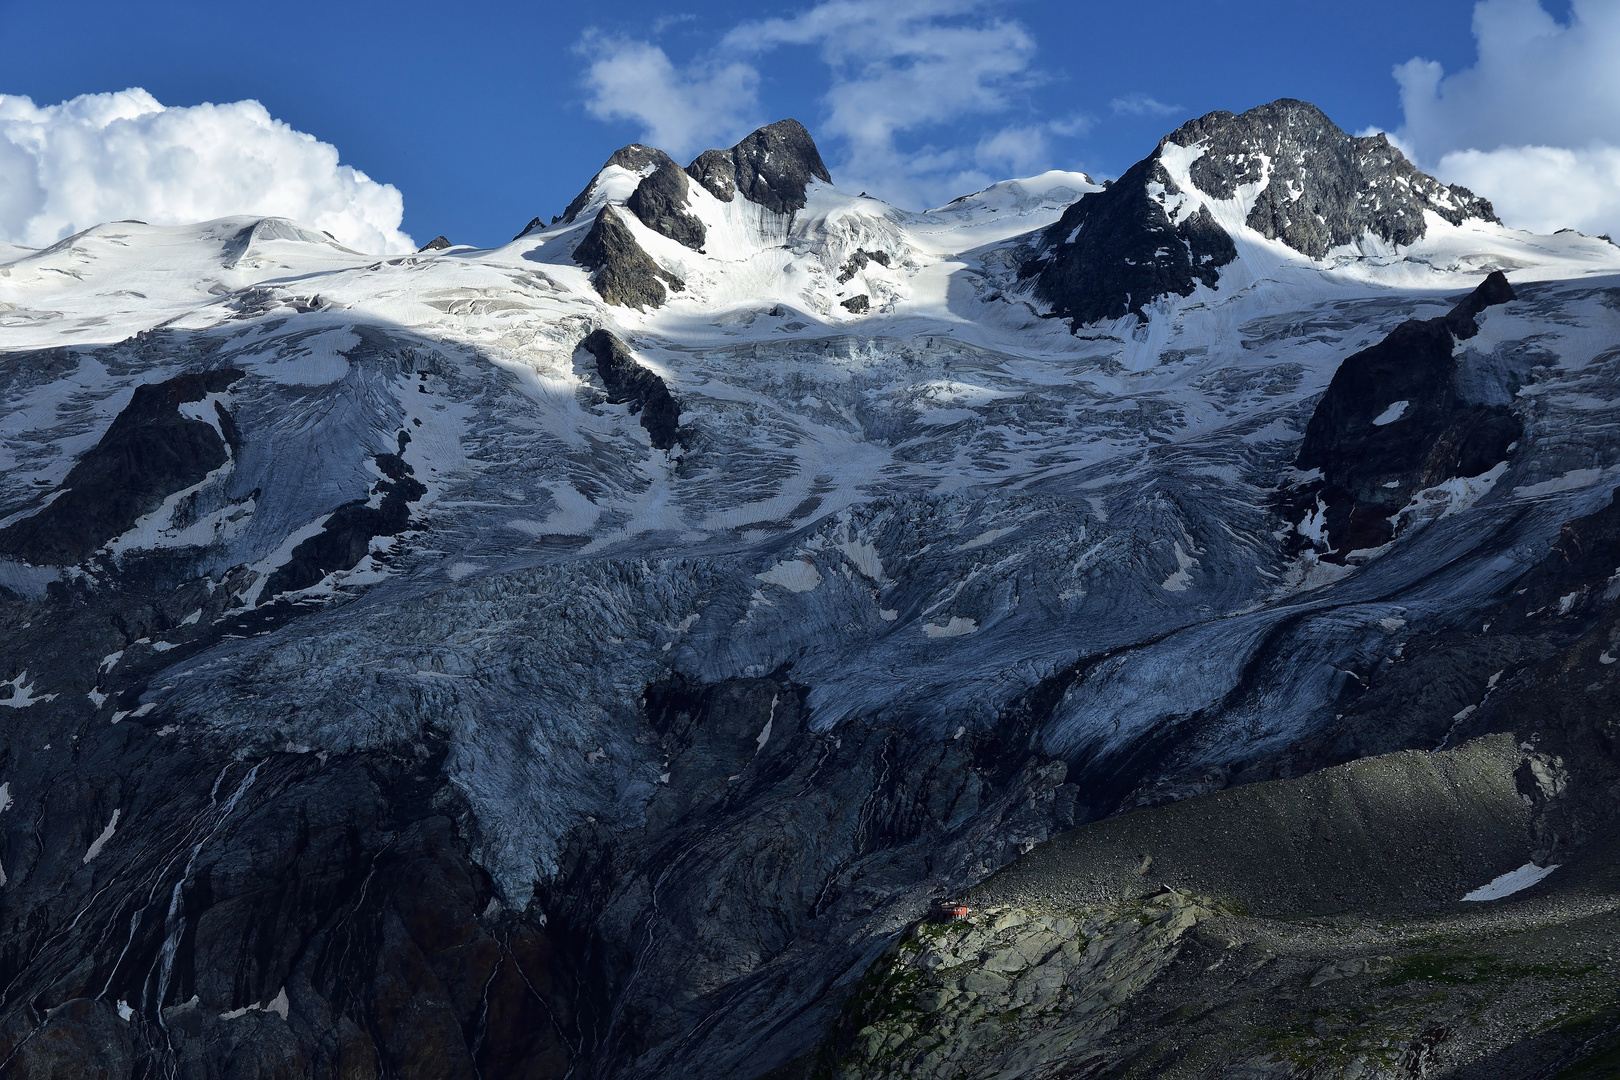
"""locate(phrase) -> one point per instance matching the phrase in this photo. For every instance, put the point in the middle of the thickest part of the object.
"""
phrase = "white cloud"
(1535, 123)
(679, 111)
(1017, 150)
(1142, 105)
(898, 70)
(1078, 124)
(103, 157)
(1544, 188)
(901, 67)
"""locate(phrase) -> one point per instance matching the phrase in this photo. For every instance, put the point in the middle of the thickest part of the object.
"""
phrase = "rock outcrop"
(1399, 418)
(660, 202)
(1117, 250)
(628, 382)
(150, 452)
(345, 537)
(634, 158)
(1009, 992)
(1309, 184)
(772, 167)
(625, 274)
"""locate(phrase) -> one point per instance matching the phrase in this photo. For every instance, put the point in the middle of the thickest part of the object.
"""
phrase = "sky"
(390, 123)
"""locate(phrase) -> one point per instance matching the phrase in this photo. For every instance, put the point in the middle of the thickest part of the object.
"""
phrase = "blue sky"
(485, 114)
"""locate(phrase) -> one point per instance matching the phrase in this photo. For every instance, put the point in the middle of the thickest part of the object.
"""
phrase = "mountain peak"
(634, 158)
(1321, 187)
(772, 167)
(1283, 171)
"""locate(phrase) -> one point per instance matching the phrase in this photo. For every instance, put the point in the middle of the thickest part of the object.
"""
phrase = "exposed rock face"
(660, 202)
(1399, 418)
(1009, 992)
(771, 167)
(438, 243)
(859, 261)
(1323, 188)
(328, 923)
(150, 452)
(665, 915)
(346, 536)
(628, 381)
(1115, 251)
(632, 158)
(625, 274)
(857, 305)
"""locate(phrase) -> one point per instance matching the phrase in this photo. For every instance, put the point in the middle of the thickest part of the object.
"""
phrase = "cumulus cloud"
(899, 70)
(1534, 125)
(1544, 188)
(104, 157)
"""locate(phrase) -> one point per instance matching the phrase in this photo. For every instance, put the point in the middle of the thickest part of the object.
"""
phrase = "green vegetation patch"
(1466, 969)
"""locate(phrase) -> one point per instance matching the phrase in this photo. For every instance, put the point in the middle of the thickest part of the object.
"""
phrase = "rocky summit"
(1165, 628)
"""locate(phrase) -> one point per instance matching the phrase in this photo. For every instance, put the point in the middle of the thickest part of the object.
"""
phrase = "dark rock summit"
(771, 167)
(628, 381)
(659, 201)
(1116, 251)
(1323, 187)
(438, 243)
(1397, 419)
(625, 274)
(632, 158)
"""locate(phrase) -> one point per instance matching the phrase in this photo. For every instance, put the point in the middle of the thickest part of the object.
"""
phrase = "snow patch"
(989, 536)
(1395, 411)
(864, 557)
(278, 1005)
(957, 627)
(765, 732)
(106, 835)
(1511, 882)
(1178, 581)
(22, 692)
(794, 575)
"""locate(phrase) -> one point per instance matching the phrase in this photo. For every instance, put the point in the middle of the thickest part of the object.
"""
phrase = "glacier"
(947, 533)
